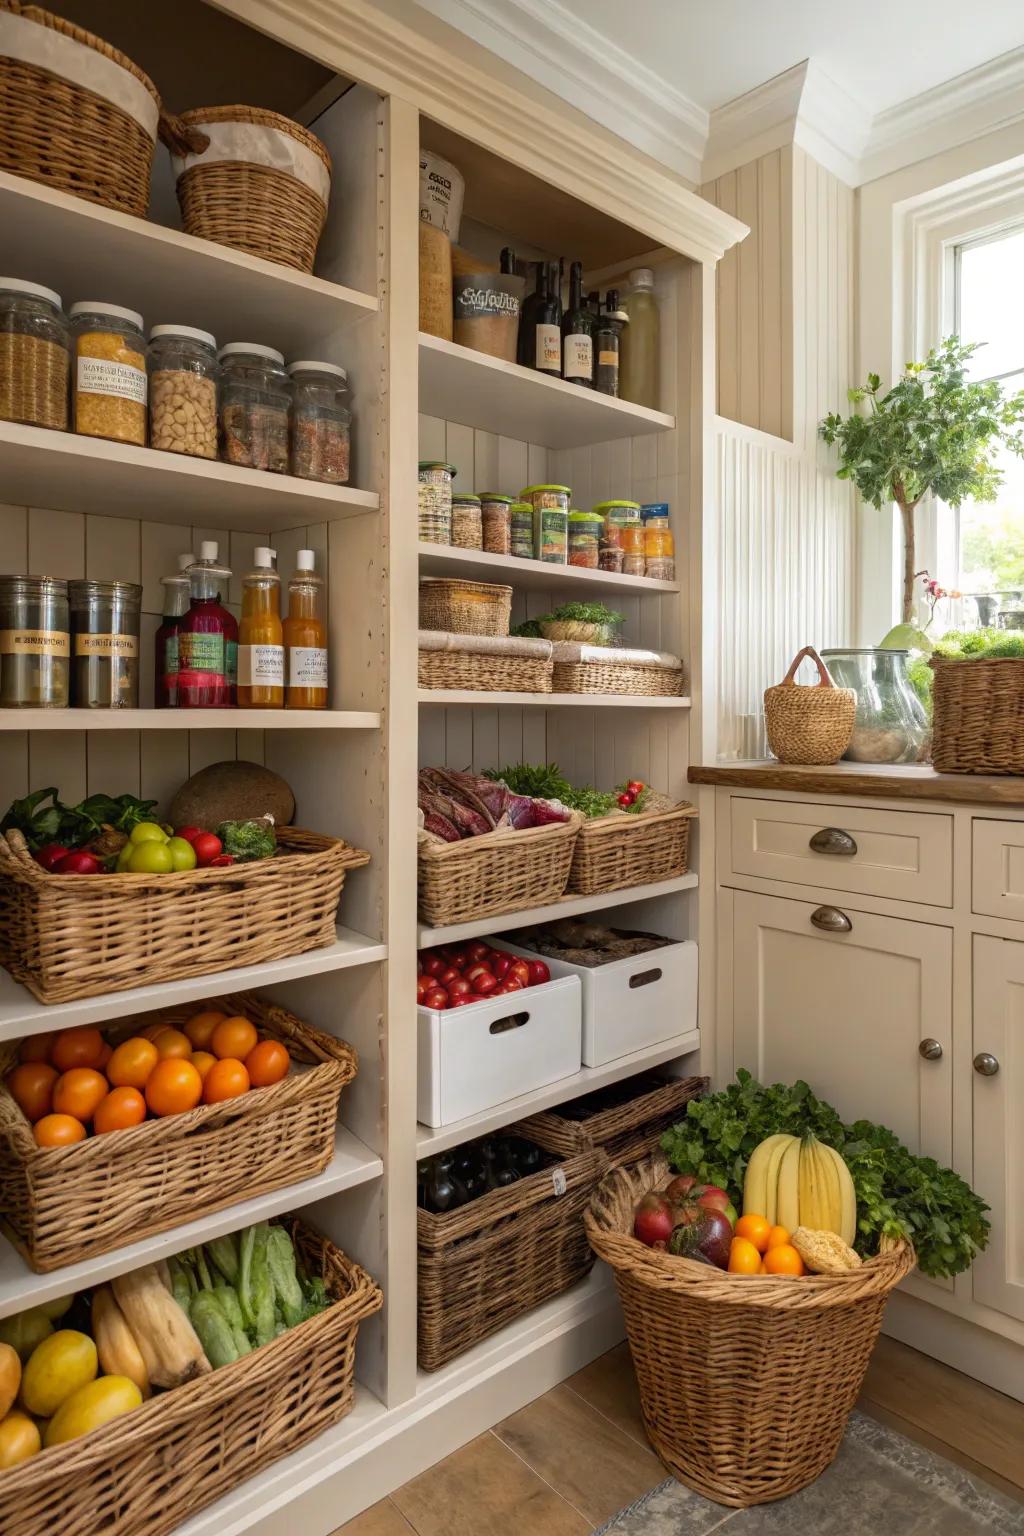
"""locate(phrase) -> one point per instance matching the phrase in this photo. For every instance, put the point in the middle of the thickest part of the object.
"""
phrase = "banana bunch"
(801, 1182)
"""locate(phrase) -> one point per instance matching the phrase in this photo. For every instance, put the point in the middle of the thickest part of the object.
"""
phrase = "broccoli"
(249, 840)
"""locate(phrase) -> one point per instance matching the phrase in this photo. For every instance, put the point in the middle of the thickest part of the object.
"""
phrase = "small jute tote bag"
(809, 725)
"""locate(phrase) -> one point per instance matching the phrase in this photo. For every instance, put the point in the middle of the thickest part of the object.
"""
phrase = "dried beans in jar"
(321, 422)
(33, 355)
(183, 391)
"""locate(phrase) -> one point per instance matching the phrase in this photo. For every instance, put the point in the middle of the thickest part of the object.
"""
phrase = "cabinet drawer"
(904, 855)
(997, 876)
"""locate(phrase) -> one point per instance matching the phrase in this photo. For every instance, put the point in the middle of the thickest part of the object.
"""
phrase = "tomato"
(448, 975)
(82, 1047)
(200, 1027)
(121, 1109)
(132, 1062)
(234, 1039)
(80, 863)
(436, 998)
(189, 833)
(539, 972)
(78, 1092)
(419, 966)
(635, 786)
(423, 986)
(476, 952)
(174, 1086)
(202, 1061)
(58, 1131)
(625, 800)
(521, 970)
(36, 1047)
(172, 1042)
(207, 846)
(226, 1079)
(484, 984)
(433, 965)
(459, 987)
(267, 1063)
(31, 1087)
(50, 854)
(221, 861)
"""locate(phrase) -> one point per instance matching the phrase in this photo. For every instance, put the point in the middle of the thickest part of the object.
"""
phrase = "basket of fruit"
(109, 1137)
(132, 1407)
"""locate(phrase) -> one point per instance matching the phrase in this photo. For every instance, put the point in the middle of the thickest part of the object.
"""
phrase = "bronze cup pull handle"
(835, 841)
(831, 920)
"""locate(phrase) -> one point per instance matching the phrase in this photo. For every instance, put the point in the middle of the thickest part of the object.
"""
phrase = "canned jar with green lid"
(618, 511)
(34, 363)
(497, 522)
(551, 535)
(520, 516)
(547, 496)
(585, 539)
(35, 643)
(435, 501)
(467, 523)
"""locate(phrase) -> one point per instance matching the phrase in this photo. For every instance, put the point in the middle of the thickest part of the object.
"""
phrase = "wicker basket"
(978, 714)
(488, 1262)
(67, 936)
(146, 1473)
(624, 1132)
(253, 205)
(465, 607)
(613, 852)
(496, 872)
(57, 132)
(809, 725)
(618, 677)
(64, 1204)
(745, 1381)
(484, 674)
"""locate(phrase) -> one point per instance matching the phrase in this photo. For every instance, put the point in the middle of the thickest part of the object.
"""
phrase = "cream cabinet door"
(999, 1119)
(997, 876)
(848, 1011)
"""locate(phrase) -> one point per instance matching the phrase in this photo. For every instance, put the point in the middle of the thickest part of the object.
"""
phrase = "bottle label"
(97, 376)
(261, 666)
(608, 359)
(579, 357)
(549, 348)
(34, 642)
(171, 658)
(231, 662)
(201, 654)
(307, 667)
(106, 645)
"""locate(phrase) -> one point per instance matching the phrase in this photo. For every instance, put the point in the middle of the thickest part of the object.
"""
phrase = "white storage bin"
(632, 1003)
(470, 1059)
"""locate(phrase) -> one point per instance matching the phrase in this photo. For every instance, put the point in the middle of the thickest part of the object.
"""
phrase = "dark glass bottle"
(443, 1191)
(577, 334)
(607, 344)
(525, 1156)
(526, 342)
(177, 598)
(547, 327)
(500, 1173)
(469, 1171)
(508, 260)
(594, 304)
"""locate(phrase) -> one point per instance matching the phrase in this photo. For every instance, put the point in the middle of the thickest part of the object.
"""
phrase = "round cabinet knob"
(985, 1064)
(931, 1050)
(833, 840)
(831, 920)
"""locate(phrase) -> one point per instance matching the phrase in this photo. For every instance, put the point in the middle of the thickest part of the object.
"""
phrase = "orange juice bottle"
(305, 637)
(261, 637)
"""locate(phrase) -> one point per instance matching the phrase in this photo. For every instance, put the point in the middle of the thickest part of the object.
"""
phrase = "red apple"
(436, 998)
(433, 965)
(522, 970)
(539, 973)
(484, 984)
(424, 984)
(652, 1220)
(512, 983)
(447, 975)
(459, 987)
(680, 1187)
(476, 951)
(713, 1198)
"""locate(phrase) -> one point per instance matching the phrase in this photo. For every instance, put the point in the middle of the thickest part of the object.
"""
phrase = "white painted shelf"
(480, 391)
(568, 906)
(352, 1164)
(42, 468)
(553, 700)
(189, 720)
(531, 575)
(430, 1139)
(75, 246)
(21, 1014)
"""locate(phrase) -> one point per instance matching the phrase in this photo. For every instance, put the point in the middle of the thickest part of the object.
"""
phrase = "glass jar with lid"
(435, 501)
(633, 559)
(105, 644)
(110, 385)
(520, 518)
(496, 522)
(321, 422)
(618, 513)
(33, 355)
(183, 376)
(255, 400)
(35, 645)
(467, 521)
(890, 725)
(585, 539)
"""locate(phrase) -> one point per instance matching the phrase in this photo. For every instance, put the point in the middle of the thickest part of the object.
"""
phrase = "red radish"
(207, 846)
(80, 863)
(635, 786)
(436, 998)
(626, 800)
(50, 855)
(484, 984)
(539, 973)
(652, 1220)
(502, 965)
(189, 833)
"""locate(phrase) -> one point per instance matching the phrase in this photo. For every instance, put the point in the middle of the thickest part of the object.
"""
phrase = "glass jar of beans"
(183, 376)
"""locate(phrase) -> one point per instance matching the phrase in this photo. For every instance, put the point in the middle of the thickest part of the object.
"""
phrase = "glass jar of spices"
(33, 355)
(183, 375)
(585, 539)
(109, 381)
(467, 521)
(520, 516)
(321, 422)
(610, 551)
(35, 643)
(255, 397)
(105, 644)
(497, 522)
(435, 501)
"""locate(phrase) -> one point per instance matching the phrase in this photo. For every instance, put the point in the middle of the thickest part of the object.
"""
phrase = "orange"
(58, 1131)
(744, 1258)
(226, 1079)
(152, 1030)
(77, 1048)
(36, 1047)
(172, 1042)
(203, 1061)
(132, 1062)
(201, 1026)
(105, 1055)
(267, 1063)
(755, 1229)
(78, 1092)
(783, 1259)
(234, 1037)
(174, 1086)
(778, 1235)
(121, 1108)
(31, 1087)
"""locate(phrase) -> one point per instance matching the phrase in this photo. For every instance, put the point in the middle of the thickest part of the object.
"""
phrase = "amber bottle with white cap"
(261, 636)
(305, 637)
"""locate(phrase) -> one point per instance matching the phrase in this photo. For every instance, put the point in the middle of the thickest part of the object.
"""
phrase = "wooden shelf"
(553, 700)
(59, 470)
(480, 391)
(351, 1165)
(189, 720)
(531, 575)
(569, 906)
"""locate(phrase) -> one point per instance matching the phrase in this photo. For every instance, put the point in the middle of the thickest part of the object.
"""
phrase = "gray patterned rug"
(880, 1484)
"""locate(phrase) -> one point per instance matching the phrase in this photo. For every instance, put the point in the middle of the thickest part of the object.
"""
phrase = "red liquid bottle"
(207, 638)
(177, 597)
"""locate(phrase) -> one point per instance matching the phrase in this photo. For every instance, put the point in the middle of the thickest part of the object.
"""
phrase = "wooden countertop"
(904, 781)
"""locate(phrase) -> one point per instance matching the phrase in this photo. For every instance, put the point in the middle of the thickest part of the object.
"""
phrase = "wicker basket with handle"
(144, 1474)
(746, 1381)
(809, 725)
(64, 1204)
(493, 873)
(978, 714)
(620, 850)
(626, 1131)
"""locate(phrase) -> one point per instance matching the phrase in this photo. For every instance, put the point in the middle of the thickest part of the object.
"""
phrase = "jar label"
(231, 662)
(261, 665)
(579, 357)
(200, 653)
(307, 667)
(99, 376)
(34, 642)
(106, 645)
(549, 348)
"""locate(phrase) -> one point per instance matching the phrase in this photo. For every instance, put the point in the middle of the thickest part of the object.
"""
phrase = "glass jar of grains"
(255, 399)
(585, 539)
(183, 376)
(109, 381)
(435, 501)
(33, 355)
(105, 644)
(520, 516)
(321, 422)
(467, 521)
(550, 505)
(496, 522)
(34, 642)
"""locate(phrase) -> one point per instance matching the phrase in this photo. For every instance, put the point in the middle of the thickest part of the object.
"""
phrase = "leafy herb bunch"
(73, 825)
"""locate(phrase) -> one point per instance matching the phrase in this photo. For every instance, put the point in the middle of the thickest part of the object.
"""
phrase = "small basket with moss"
(586, 623)
(978, 708)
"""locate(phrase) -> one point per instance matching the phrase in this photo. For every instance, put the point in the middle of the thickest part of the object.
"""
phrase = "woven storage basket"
(146, 1473)
(484, 674)
(978, 715)
(64, 1204)
(67, 936)
(465, 607)
(253, 207)
(57, 132)
(496, 872)
(488, 1262)
(809, 725)
(624, 1132)
(617, 677)
(745, 1381)
(613, 852)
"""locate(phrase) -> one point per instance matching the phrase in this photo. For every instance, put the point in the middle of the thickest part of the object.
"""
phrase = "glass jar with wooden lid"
(33, 355)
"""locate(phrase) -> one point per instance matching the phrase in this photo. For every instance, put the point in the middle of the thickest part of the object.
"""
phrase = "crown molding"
(801, 106)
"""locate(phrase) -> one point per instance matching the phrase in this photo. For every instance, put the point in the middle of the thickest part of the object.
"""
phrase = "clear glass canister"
(183, 374)
(496, 514)
(105, 644)
(109, 381)
(435, 501)
(520, 518)
(610, 551)
(890, 725)
(321, 422)
(33, 355)
(467, 521)
(542, 496)
(255, 396)
(585, 539)
(35, 644)
(633, 559)
(618, 513)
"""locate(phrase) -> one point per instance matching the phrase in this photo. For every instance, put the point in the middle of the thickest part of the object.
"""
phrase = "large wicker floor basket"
(745, 1382)
(146, 1473)
(64, 1204)
(626, 1131)
(978, 714)
(620, 850)
(68, 936)
(494, 873)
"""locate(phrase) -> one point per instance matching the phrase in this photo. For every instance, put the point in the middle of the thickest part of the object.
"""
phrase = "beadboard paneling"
(824, 236)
